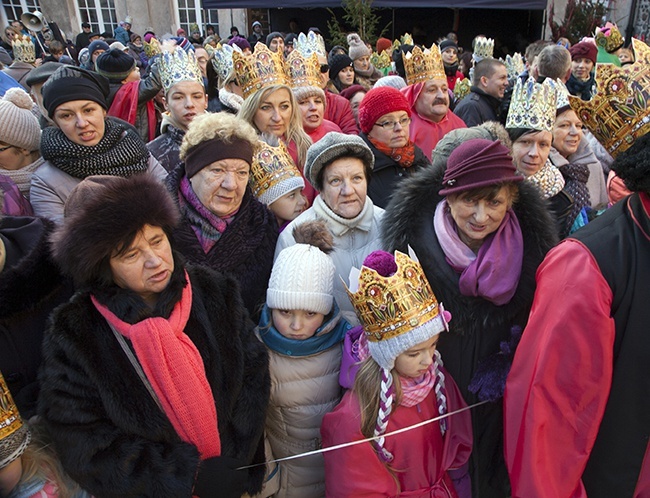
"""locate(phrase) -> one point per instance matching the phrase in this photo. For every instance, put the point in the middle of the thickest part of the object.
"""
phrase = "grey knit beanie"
(20, 127)
(357, 47)
(333, 146)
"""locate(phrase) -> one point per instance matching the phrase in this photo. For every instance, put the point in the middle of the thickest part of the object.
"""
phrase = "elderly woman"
(223, 226)
(340, 167)
(83, 141)
(384, 117)
(480, 234)
(152, 382)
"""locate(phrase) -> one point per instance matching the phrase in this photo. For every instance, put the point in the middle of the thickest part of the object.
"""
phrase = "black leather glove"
(218, 478)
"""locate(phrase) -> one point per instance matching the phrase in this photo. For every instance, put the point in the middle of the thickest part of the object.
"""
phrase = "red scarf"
(404, 156)
(125, 106)
(176, 372)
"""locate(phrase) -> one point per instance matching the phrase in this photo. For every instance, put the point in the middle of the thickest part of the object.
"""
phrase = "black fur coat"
(110, 434)
(477, 327)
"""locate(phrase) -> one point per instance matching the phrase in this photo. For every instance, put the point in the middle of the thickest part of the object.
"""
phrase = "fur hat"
(115, 64)
(633, 165)
(337, 63)
(20, 127)
(102, 213)
(585, 49)
(303, 274)
(333, 146)
(380, 101)
(357, 47)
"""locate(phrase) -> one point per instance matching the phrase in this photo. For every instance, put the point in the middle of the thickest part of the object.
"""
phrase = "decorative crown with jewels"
(179, 66)
(273, 173)
(514, 65)
(380, 61)
(14, 435)
(423, 65)
(23, 49)
(620, 112)
(390, 306)
(309, 44)
(152, 48)
(609, 37)
(533, 105)
(462, 88)
(260, 69)
(406, 39)
(222, 59)
(483, 48)
(303, 71)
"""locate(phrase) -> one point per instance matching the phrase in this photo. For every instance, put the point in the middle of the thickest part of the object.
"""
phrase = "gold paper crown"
(514, 65)
(309, 44)
(609, 37)
(303, 71)
(152, 48)
(462, 88)
(619, 113)
(179, 66)
(260, 69)
(424, 65)
(271, 167)
(390, 306)
(222, 59)
(533, 105)
(23, 49)
(396, 45)
(380, 61)
(483, 48)
(406, 39)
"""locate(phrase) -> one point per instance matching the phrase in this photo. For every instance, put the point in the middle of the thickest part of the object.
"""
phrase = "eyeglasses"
(324, 68)
(390, 125)
(2, 149)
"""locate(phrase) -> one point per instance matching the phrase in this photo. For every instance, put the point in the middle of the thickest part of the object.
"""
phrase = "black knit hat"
(100, 214)
(115, 64)
(97, 45)
(337, 63)
(73, 83)
(447, 43)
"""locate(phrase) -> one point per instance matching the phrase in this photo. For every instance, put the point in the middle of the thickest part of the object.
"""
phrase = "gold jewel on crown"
(309, 44)
(483, 48)
(620, 112)
(533, 105)
(303, 71)
(23, 49)
(222, 59)
(390, 306)
(271, 166)
(260, 69)
(10, 420)
(609, 37)
(462, 88)
(514, 65)
(179, 66)
(423, 65)
(380, 61)
(152, 48)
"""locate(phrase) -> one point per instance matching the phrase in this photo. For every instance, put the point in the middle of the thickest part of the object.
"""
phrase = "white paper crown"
(515, 65)
(533, 105)
(483, 48)
(312, 43)
(222, 59)
(179, 66)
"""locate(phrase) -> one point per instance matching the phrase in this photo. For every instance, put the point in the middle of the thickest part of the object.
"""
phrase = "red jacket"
(339, 112)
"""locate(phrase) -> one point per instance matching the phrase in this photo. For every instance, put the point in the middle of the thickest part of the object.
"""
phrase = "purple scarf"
(494, 272)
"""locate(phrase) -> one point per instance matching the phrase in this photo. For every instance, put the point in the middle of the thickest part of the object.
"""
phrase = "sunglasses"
(324, 68)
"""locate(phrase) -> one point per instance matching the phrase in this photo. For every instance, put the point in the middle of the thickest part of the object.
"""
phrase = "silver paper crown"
(222, 59)
(483, 48)
(179, 66)
(533, 105)
(562, 95)
(312, 43)
(514, 65)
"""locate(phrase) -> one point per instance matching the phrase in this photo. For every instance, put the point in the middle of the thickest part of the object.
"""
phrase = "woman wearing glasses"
(384, 118)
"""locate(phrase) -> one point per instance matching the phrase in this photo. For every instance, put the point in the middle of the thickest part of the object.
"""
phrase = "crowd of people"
(218, 257)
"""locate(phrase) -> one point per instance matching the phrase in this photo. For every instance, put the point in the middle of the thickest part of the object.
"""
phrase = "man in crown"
(428, 96)
(577, 404)
(184, 99)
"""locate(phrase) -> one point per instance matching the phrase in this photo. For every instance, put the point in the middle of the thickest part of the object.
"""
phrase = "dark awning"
(304, 4)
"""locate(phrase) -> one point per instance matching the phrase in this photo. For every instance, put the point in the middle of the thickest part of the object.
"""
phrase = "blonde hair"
(295, 131)
(227, 127)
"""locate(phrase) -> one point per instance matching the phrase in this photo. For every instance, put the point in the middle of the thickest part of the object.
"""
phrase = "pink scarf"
(494, 272)
(176, 372)
(415, 390)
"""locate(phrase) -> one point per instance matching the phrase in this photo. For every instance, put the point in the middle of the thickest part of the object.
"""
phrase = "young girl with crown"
(401, 382)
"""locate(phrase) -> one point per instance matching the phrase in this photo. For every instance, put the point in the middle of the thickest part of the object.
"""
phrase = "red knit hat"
(380, 101)
(585, 49)
(478, 163)
(383, 44)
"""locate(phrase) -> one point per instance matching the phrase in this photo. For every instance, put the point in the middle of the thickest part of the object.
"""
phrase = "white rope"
(370, 439)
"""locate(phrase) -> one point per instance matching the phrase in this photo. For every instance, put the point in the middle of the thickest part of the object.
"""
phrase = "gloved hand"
(217, 478)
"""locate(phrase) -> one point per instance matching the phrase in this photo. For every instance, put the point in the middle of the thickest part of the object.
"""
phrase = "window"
(211, 18)
(190, 12)
(15, 8)
(99, 13)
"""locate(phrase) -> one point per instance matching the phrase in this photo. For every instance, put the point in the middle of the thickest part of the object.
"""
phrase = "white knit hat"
(19, 125)
(303, 275)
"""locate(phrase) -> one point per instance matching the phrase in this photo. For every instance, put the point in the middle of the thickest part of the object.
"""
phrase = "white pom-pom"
(354, 39)
(19, 98)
